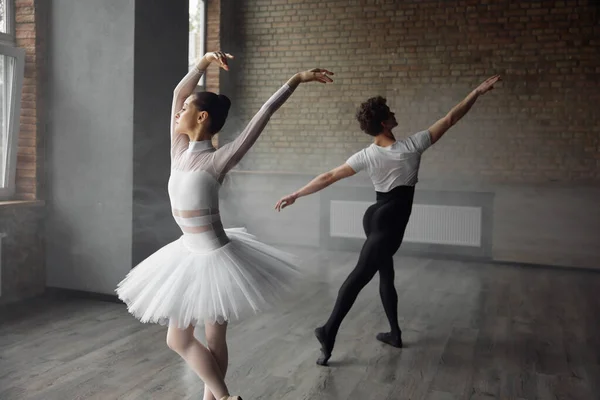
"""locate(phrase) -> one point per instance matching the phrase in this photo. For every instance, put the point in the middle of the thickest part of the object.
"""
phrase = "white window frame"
(13, 98)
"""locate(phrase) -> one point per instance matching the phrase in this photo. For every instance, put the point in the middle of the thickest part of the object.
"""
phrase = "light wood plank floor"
(472, 331)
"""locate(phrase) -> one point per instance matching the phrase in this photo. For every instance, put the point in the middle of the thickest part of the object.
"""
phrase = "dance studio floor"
(472, 331)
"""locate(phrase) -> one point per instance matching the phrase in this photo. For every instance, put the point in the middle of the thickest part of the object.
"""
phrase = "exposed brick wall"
(213, 41)
(30, 161)
(539, 125)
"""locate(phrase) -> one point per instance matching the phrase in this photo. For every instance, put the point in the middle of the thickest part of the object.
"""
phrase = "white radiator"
(431, 224)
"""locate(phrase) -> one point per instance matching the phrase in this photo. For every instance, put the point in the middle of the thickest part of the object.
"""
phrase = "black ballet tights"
(384, 224)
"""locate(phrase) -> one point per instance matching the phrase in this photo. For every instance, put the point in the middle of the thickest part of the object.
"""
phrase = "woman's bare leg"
(198, 357)
(216, 341)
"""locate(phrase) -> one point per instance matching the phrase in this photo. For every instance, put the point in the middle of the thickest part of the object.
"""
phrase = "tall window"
(11, 82)
(197, 41)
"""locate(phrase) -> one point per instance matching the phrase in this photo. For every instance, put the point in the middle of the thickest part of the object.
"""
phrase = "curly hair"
(371, 114)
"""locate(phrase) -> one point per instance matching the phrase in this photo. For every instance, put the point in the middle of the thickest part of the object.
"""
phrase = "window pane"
(196, 33)
(7, 69)
(12, 62)
(3, 16)
(3, 132)
(192, 36)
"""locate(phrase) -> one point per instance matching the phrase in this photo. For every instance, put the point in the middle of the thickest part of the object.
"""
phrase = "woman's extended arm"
(189, 82)
(227, 156)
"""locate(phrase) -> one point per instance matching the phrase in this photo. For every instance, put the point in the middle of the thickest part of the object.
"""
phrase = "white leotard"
(197, 169)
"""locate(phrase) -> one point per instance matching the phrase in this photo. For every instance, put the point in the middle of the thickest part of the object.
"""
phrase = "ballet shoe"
(392, 340)
(325, 349)
(231, 398)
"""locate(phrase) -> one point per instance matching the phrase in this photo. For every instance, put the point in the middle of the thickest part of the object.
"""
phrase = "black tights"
(384, 224)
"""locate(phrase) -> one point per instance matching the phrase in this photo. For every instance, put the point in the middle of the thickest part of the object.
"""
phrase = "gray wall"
(552, 224)
(22, 258)
(161, 49)
(111, 86)
(90, 143)
(231, 40)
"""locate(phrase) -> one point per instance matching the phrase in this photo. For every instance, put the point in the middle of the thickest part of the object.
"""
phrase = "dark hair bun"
(217, 106)
(224, 103)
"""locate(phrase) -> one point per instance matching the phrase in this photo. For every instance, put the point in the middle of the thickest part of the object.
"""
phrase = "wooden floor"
(472, 331)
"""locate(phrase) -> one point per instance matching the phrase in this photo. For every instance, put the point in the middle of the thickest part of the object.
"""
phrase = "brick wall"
(213, 41)
(30, 151)
(539, 125)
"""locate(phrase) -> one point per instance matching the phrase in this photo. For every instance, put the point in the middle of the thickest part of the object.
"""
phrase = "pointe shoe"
(231, 398)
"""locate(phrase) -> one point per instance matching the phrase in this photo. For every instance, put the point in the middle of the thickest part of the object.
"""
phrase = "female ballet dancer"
(210, 275)
(393, 167)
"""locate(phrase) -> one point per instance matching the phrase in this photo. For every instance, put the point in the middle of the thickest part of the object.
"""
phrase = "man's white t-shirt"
(395, 165)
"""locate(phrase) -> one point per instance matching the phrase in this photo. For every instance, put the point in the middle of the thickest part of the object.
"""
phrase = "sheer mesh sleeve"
(184, 89)
(227, 156)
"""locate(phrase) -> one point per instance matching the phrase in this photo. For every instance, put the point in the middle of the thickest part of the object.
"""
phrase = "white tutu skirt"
(180, 286)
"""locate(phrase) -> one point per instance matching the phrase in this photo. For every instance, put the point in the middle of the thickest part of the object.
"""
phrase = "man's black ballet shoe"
(325, 351)
(392, 340)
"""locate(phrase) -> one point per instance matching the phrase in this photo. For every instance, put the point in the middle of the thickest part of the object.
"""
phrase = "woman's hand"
(315, 75)
(218, 57)
(286, 201)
